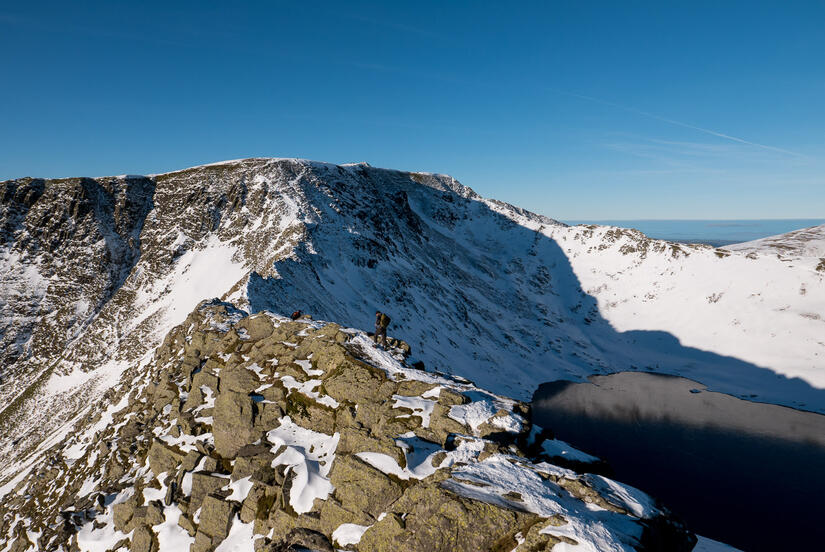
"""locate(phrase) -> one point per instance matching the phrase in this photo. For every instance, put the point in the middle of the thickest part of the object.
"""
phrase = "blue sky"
(578, 110)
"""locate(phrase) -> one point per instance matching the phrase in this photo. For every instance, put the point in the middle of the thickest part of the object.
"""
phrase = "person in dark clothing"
(381, 323)
(296, 315)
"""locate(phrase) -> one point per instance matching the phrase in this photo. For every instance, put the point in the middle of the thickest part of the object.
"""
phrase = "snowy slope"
(807, 242)
(480, 288)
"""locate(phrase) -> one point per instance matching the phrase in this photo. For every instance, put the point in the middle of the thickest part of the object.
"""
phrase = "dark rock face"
(73, 243)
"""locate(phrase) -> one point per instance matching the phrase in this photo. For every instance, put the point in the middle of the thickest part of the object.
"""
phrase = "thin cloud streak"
(677, 123)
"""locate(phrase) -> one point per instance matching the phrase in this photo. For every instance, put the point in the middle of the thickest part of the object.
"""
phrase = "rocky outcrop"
(302, 434)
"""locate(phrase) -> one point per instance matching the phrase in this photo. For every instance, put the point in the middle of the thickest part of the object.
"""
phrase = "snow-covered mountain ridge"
(805, 242)
(96, 271)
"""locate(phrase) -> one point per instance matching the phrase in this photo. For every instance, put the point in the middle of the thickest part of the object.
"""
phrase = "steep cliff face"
(257, 432)
(66, 248)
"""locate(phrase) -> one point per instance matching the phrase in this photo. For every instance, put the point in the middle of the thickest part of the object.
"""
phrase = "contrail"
(677, 123)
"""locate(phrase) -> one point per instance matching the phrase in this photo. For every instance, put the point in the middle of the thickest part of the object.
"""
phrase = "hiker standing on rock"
(381, 323)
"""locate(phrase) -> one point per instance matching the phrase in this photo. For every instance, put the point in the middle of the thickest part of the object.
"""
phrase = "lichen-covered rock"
(433, 519)
(163, 458)
(232, 425)
(144, 540)
(281, 413)
(216, 516)
(363, 488)
(239, 379)
(123, 512)
(203, 484)
(357, 382)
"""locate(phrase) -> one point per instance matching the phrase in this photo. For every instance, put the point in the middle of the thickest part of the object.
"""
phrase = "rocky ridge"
(247, 432)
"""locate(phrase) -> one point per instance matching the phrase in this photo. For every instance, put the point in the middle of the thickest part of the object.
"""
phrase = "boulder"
(361, 487)
(309, 413)
(257, 327)
(190, 461)
(259, 502)
(412, 388)
(436, 520)
(307, 539)
(258, 466)
(188, 525)
(356, 381)
(154, 514)
(206, 377)
(239, 379)
(202, 485)
(232, 423)
(216, 517)
(123, 512)
(210, 464)
(144, 540)
(163, 458)
(268, 416)
(203, 543)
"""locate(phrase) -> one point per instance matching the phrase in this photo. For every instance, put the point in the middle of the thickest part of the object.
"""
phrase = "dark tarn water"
(717, 233)
(748, 474)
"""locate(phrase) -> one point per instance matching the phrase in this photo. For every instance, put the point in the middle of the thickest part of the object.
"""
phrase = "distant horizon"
(715, 232)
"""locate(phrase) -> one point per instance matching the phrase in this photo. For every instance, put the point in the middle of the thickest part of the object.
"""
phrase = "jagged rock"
(258, 466)
(203, 543)
(203, 484)
(309, 413)
(210, 464)
(416, 515)
(448, 397)
(163, 458)
(275, 393)
(363, 488)
(412, 388)
(356, 381)
(259, 502)
(144, 540)
(232, 426)
(190, 461)
(122, 513)
(442, 426)
(216, 517)
(239, 379)
(308, 539)
(257, 327)
(188, 525)
(268, 416)
(154, 514)
(206, 378)
(436, 520)
(165, 392)
(138, 518)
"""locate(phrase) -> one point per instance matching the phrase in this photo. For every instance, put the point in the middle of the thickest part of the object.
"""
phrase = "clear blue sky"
(578, 110)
